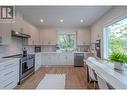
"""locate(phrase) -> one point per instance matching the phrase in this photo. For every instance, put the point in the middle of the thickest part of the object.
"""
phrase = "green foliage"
(118, 57)
(118, 39)
(66, 41)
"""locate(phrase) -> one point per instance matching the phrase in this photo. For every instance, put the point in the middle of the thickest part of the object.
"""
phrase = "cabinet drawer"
(10, 83)
(7, 73)
(6, 65)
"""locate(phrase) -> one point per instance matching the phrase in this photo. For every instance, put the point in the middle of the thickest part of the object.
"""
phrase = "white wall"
(110, 17)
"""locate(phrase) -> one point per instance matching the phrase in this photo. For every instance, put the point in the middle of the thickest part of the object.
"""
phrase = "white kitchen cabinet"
(57, 59)
(48, 37)
(9, 74)
(38, 61)
(5, 33)
(44, 59)
(33, 32)
(34, 40)
(70, 59)
(83, 37)
(62, 59)
(54, 59)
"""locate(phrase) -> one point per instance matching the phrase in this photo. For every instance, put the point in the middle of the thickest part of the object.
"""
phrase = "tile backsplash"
(44, 48)
(15, 47)
(48, 48)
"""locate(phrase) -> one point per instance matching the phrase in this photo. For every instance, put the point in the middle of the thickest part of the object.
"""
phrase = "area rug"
(52, 81)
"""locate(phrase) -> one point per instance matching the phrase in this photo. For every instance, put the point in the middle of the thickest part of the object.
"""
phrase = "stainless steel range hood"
(19, 34)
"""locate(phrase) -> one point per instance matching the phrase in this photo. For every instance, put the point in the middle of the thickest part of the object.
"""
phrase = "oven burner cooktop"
(21, 56)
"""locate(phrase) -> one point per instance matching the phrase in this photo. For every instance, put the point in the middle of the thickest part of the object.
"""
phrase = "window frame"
(67, 34)
(106, 35)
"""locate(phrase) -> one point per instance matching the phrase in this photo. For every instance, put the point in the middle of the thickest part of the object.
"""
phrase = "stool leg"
(88, 83)
(94, 84)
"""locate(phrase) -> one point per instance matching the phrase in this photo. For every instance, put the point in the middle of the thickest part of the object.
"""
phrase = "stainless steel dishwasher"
(78, 59)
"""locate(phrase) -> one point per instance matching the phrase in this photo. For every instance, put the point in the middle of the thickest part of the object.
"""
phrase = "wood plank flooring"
(75, 77)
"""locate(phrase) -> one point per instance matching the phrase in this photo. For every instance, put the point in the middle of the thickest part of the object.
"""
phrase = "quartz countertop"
(2, 60)
(59, 52)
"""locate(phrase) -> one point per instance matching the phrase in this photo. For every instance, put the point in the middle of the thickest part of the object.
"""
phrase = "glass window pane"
(67, 41)
(117, 37)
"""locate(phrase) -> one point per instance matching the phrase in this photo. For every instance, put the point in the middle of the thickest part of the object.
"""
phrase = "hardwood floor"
(75, 77)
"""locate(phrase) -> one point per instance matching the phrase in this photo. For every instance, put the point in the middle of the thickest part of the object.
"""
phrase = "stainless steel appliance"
(98, 48)
(37, 48)
(19, 34)
(78, 59)
(26, 67)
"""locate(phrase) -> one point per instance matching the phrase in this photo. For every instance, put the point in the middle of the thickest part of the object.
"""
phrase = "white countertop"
(106, 71)
(2, 60)
(60, 52)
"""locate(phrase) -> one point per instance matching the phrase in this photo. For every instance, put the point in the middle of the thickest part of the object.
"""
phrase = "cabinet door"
(63, 59)
(52, 37)
(70, 59)
(5, 33)
(48, 37)
(37, 61)
(54, 59)
(43, 59)
(41, 38)
(83, 37)
(33, 32)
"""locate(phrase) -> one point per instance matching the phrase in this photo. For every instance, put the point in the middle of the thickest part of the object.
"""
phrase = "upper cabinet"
(5, 33)
(83, 37)
(48, 37)
(33, 32)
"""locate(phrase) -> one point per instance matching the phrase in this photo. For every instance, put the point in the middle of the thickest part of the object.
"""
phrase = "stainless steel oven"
(27, 66)
(37, 48)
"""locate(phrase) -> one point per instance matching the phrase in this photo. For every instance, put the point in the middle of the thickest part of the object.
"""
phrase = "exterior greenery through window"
(67, 41)
(117, 36)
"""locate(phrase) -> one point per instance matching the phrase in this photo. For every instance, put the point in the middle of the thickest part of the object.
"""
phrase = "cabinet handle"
(8, 73)
(8, 84)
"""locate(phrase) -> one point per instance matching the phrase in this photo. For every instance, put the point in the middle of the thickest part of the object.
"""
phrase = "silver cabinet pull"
(8, 84)
(8, 73)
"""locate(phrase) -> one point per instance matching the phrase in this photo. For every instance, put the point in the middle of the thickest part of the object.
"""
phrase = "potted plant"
(119, 59)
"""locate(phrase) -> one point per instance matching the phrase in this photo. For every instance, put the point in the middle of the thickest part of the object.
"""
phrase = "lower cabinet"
(57, 59)
(38, 62)
(9, 74)
(70, 58)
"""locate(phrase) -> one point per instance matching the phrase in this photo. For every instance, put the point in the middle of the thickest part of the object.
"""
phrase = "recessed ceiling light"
(81, 20)
(61, 20)
(42, 20)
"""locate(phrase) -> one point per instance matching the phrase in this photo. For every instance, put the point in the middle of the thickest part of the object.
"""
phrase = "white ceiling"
(70, 14)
